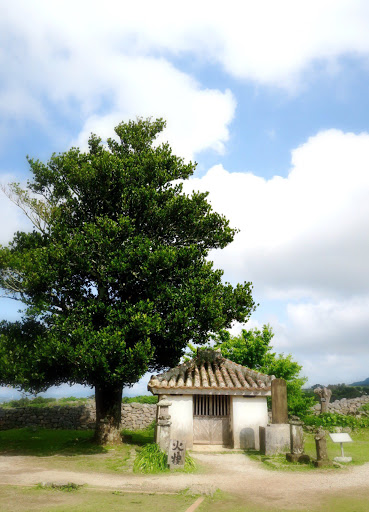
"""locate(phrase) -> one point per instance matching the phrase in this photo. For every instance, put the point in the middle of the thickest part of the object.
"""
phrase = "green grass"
(76, 450)
(36, 499)
(150, 459)
(42, 402)
(45, 442)
(365, 407)
(347, 501)
(73, 450)
(278, 462)
(141, 399)
(358, 450)
(140, 437)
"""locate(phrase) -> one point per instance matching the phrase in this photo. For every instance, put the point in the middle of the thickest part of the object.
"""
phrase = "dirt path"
(232, 473)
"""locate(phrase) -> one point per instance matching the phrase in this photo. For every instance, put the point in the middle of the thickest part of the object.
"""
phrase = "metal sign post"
(341, 438)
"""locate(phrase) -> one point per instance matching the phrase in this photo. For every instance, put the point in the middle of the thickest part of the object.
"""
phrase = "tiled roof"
(210, 371)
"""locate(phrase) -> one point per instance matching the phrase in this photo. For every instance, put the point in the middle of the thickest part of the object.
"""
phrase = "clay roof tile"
(210, 371)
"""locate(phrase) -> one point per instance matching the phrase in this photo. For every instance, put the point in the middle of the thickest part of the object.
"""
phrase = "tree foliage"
(114, 276)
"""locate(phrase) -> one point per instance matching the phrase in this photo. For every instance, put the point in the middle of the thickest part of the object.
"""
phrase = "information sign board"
(341, 437)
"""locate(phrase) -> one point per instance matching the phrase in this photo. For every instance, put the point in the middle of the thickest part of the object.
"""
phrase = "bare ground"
(233, 473)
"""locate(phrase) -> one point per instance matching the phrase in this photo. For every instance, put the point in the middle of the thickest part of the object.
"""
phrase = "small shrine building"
(214, 401)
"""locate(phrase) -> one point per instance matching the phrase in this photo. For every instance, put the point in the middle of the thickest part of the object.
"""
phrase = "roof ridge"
(211, 370)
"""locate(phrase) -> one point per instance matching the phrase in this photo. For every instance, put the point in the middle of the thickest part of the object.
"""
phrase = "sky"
(271, 99)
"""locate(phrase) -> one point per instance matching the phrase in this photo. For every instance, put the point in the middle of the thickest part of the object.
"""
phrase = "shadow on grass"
(278, 462)
(45, 442)
(139, 437)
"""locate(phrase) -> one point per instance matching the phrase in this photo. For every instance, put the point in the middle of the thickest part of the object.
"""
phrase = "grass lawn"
(64, 449)
(342, 502)
(23, 499)
(75, 450)
(32, 499)
(358, 450)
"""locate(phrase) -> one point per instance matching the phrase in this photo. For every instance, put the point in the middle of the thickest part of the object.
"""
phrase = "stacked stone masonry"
(135, 416)
(345, 405)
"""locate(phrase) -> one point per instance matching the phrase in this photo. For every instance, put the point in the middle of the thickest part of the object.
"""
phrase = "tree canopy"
(115, 275)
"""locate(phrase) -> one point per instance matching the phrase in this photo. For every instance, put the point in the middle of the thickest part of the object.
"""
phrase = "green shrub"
(41, 401)
(68, 399)
(142, 399)
(38, 401)
(330, 420)
(150, 459)
(364, 408)
(22, 402)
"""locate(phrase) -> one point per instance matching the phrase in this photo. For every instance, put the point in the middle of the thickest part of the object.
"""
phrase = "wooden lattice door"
(211, 420)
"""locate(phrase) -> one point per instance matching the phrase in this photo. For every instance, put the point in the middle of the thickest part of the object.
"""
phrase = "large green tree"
(114, 276)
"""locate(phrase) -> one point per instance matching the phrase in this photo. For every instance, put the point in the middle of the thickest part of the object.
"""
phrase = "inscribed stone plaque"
(279, 401)
(176, 453)
(341, 438)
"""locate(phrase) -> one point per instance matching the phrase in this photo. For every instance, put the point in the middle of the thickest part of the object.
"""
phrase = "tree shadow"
(45, 442)
(139, 437)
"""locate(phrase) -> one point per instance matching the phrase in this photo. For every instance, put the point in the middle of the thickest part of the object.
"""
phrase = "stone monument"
(279, 402)
(325, 396)
(275, 437)
(163, 423)
(297, 444)
(321, 449)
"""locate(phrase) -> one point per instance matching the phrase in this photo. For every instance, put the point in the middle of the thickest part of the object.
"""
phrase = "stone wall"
(345, 405)
(135, 416)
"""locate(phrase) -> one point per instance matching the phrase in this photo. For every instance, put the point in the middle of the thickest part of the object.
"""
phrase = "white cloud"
(334, 368)
(196, 118)
(304, 235)
(330, 326)
(304, 245)
(98, 73)
(99, 64)
(265, 41)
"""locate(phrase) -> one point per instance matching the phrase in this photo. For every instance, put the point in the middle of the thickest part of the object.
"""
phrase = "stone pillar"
(279, 401)
(297, 444)
(325, 396)
(321, 449)
(163, 424)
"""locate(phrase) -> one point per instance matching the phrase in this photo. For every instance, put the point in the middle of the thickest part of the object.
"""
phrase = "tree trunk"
(108, 400)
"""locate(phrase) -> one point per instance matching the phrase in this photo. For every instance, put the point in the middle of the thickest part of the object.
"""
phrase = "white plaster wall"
(248, 414)
(181, 412)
